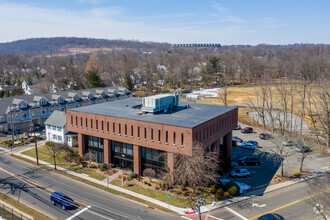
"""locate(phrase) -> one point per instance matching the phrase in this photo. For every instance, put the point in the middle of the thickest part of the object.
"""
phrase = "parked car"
(247, 130)
(255, 143)
(302, 148)
(238, 139)
(234, 143)
(271, 216)
(287, 143)
(239, 172)
(265, 136)
(238, 127)
(249, 160)
(59, 198)
(248, 146)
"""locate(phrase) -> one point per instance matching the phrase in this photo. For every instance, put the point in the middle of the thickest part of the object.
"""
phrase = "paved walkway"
(174, 208)
(114, 176)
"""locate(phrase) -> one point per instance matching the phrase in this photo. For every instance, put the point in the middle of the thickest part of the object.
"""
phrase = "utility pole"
(35, 141)
(12, 130)
(197, 207)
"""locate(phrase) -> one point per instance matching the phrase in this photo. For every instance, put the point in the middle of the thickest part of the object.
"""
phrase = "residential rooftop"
(182, 115)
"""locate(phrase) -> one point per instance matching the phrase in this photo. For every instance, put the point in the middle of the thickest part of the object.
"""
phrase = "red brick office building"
(132, 135)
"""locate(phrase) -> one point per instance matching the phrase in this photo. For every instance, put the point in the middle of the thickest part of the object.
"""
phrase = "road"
(291, 202)
(36, 184)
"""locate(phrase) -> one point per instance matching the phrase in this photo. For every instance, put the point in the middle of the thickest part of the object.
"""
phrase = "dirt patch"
(294, 175)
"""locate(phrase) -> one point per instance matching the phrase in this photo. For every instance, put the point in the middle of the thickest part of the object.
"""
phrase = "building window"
(91, 123)
(86, 122)
(49, 127)
(182, 139)
(125, 129)
(107, 126)
(81, 121)
(166, 137)
(145, 133)
(97, 124)
(119, 128)
(158, 135)
(132, 131)
(102, 125)
(76, 121)
(138, 132)
(71, 120)
(60, 138)
(174, 137)
(113, 127)
(59, 129)
(54, 137)
(152, 134)
(53, 128)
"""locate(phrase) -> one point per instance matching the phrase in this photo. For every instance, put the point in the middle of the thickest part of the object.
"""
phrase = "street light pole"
(12, 130)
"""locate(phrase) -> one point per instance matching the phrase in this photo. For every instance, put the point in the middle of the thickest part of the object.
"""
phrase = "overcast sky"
(173, 21)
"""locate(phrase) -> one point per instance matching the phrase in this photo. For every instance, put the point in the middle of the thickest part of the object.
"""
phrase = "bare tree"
(319, 195)
(197, 170)
(54, 149)
(280, 152)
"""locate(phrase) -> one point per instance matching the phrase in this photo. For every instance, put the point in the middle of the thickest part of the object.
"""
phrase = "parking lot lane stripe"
(215, 217)
(236, 213)
(36, 184)
(289, 204)
(78, 213)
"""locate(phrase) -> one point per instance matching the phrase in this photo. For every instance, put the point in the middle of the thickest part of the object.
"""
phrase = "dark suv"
(58, 198)
(249, 161)
(247, 130)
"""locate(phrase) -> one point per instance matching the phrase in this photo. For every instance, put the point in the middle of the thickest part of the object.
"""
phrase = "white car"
(239, 172)
(287, 143)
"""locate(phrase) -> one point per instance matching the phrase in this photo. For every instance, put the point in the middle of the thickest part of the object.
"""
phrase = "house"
(56, 130)
(28, 89)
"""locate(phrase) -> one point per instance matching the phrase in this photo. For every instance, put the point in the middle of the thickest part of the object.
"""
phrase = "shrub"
(186, 193)
(160, 184)
(129, 178)
(179, 192)
(103, 167)
(229, 185)
(226, 194)
(234, 191)
(149, 184)
(151, 173)
(145, 182)
(297, 175)
(133, 175)
(183, 188)
(156, 188)
(218, 194)
(213, 189)
(139, 178)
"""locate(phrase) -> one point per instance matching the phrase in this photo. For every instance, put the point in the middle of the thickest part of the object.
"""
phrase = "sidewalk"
(179, 210)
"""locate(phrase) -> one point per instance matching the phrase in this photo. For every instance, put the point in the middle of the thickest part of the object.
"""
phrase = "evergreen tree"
(128, 82)
(93, 79)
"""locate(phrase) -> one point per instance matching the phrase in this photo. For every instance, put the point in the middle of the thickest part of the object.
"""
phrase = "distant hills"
(71, 45)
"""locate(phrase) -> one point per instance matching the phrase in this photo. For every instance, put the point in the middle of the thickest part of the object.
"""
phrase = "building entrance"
(122, 155)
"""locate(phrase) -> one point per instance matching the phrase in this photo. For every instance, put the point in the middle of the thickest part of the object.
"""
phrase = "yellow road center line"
(36, 184)
(289, 204)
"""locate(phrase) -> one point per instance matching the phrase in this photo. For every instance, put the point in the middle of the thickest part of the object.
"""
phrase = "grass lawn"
(155, 194)
(44, 155)
(23, 208)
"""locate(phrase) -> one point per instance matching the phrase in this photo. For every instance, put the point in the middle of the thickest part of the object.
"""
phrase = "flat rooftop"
(180, 116)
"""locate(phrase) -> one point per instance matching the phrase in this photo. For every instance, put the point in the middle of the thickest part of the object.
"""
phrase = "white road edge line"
(185, 217)
(78, 213)
(236, 213)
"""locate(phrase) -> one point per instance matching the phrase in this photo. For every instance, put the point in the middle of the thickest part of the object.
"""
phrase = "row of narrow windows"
(209, 131)
(74, 120)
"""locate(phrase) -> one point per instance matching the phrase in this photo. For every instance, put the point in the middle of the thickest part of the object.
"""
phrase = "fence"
(10, 214)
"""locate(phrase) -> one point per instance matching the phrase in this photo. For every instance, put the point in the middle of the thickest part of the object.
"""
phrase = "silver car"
(239, 172)
(287, 143)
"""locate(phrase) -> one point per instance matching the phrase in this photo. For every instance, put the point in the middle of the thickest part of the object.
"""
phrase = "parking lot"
(269, 163)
